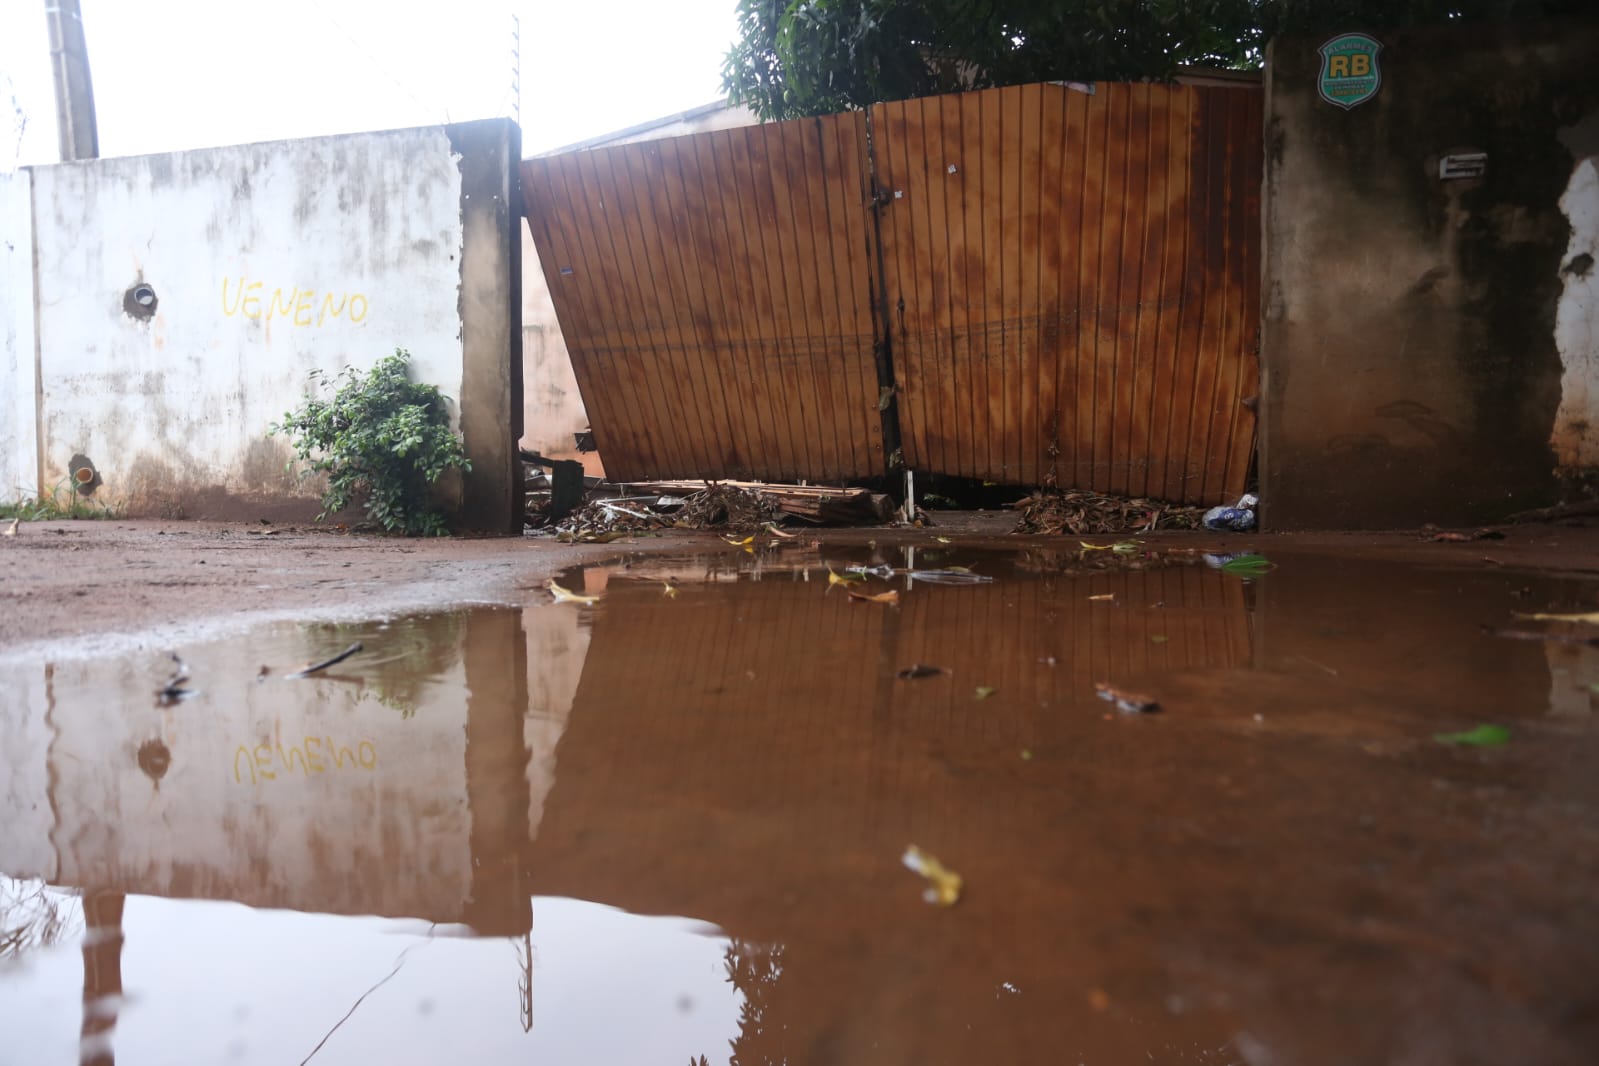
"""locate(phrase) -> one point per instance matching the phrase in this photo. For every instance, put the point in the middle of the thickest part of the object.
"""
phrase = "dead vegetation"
(1077, 511)
(719, 506)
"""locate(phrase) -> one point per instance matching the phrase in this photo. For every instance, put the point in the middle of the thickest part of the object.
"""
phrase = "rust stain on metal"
(714, 293)
(1075, 281)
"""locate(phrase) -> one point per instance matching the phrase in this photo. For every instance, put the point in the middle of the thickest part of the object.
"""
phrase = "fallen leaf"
(943, 884)
(668, 589)
(564, 595)
(1590, 617)
(11, 530)
(918, 671)
(1157, 638)
(1094, 547)
(891, 596)
(737, 543)
(1125, 701)
(1103, 596)
(1027, 754)
(1248, 565)
(1125, 547)
(778, 533)
(1484, 736)
(842, 579)
(985, 691)
(943, 540)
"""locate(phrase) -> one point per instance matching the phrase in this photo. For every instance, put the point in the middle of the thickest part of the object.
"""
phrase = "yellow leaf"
(841, 579)
(737, 543)
(1590, 618)
(1094, 547)
(669, 590)
(891, 596)
(943, 540)
(943, 884)
(563, 595)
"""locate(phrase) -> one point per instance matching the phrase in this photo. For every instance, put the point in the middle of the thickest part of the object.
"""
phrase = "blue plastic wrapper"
(1236, 519)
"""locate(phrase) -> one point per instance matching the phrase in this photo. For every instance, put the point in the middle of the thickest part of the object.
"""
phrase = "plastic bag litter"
(1238, 518)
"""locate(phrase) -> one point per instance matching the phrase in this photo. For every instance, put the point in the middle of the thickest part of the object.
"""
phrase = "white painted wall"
(268, 261)
(1576, 436)
(19, 445)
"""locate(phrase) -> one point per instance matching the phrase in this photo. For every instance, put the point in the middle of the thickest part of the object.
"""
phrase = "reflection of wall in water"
(310, 794)
(557, 645)
(278, 793)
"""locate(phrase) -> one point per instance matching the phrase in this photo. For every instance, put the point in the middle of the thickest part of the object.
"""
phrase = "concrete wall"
(19, 445)
(552, 407)
(268, 262)
(1429, 348)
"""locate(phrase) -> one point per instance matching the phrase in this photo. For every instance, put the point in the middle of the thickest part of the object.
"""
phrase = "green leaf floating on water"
(1248, 565)
(1484, 736)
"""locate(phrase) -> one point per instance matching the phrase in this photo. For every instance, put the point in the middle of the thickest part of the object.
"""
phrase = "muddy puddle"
(667, 826)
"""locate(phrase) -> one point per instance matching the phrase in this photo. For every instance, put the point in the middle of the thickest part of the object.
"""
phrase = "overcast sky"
(174, 74)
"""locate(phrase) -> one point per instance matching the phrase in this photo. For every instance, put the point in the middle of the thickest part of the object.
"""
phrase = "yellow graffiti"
(266, 761)
(298, 305)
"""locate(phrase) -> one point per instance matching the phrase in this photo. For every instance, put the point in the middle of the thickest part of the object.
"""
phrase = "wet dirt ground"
(669, 823)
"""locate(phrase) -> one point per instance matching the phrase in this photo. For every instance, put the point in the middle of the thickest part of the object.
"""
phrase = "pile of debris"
(743, 507)
(719, 506)
(817, 504)
(603, 521)
(1078, 511)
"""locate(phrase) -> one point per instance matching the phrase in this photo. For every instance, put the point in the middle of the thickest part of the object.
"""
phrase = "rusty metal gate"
(1060, 285)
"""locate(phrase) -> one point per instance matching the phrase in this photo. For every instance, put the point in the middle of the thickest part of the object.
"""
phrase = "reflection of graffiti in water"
(309, 757)
(754, 969)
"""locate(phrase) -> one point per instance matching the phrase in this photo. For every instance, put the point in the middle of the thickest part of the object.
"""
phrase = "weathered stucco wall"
(19, 448)
(184, 299)
(1420, 334)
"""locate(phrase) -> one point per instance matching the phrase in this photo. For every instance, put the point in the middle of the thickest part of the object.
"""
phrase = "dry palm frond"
(1077, 511)
(728, 507)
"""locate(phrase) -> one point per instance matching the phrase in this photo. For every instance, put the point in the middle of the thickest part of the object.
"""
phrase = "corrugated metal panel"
(1073, 284)
(714, 293)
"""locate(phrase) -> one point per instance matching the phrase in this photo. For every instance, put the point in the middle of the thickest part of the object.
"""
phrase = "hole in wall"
(140, 301)
(154, 759)
(85, 478)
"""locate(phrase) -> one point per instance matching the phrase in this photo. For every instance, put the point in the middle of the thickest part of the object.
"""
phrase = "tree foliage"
(809, 57)
(382, 439)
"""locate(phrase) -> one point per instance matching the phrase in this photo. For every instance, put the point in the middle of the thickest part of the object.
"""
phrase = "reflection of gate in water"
(677, 693)
(1058, 285)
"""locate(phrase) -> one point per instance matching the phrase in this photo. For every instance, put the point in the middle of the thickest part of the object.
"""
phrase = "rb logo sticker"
(1349, 72)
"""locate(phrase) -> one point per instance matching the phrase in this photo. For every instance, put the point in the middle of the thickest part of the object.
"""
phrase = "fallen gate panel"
(714, 294)
(1072, 280)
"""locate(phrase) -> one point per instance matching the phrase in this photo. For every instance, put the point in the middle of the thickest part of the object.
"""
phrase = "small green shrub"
(381, 438)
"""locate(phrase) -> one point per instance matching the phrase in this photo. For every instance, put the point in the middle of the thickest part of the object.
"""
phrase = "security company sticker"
(1349, 72)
